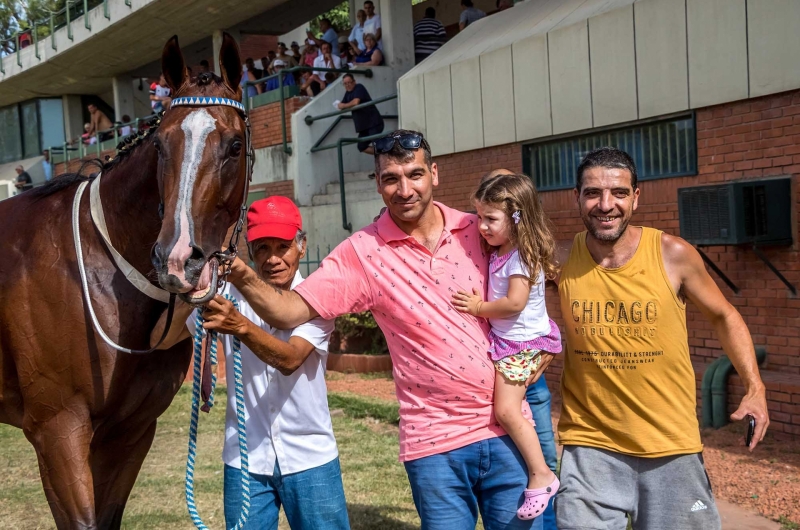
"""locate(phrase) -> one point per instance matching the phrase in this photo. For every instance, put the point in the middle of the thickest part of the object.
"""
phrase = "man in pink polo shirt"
(404, 268)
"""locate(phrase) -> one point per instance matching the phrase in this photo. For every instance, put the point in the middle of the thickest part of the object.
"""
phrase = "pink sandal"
(536, 501)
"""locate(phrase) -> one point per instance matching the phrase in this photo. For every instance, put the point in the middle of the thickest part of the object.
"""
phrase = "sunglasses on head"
(406, 141)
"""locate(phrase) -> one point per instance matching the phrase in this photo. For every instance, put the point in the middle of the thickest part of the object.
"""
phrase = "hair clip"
(515, 216)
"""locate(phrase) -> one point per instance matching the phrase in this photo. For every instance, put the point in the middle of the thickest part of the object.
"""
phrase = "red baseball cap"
(274, 216)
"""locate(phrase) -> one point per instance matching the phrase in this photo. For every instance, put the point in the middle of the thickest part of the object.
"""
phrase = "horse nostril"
(197, 255)
(155, 256)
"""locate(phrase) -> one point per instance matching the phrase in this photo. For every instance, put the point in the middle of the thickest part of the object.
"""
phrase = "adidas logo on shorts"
(699, 506)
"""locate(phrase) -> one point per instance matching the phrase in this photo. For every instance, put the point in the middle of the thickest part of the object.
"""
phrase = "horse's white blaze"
(196, 128)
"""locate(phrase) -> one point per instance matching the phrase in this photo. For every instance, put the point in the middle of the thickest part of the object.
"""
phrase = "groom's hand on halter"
(220, 315)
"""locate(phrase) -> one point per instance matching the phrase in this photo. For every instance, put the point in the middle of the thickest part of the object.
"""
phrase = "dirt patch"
(767, 480)
(379, 386)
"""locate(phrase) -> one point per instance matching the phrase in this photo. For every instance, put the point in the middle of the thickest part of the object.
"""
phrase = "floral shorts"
(520, 366)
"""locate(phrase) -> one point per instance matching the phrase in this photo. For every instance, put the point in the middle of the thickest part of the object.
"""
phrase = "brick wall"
(265, 122)
(743, 140)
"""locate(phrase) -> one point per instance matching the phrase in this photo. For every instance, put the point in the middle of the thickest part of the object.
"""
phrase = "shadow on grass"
(366, 517)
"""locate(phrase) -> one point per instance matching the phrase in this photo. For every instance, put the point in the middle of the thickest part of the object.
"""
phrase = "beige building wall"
(548, 67)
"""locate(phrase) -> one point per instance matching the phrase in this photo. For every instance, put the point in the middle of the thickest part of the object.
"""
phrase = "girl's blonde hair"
(533, 234)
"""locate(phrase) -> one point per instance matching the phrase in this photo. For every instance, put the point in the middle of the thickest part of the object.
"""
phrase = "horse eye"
(235, 149)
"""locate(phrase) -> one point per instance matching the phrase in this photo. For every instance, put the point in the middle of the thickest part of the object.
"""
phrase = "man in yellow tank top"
(628, 420)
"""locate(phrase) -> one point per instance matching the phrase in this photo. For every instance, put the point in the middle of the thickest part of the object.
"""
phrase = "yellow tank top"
(628, 384)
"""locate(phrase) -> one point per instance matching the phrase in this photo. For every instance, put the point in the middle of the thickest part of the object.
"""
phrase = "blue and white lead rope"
(200, 332)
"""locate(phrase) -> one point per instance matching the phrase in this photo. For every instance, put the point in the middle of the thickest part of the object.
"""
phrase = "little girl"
(514, 225)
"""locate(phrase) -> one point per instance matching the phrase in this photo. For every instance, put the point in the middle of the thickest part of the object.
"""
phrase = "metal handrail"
(311, 119)
(286, 149)
(339, 144)
(342, 115)
(115, 129)
(69, 6)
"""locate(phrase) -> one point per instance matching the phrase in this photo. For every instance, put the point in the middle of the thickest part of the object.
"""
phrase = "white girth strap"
(134, 276)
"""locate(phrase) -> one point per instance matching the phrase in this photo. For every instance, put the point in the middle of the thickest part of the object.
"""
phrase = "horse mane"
(205, 84)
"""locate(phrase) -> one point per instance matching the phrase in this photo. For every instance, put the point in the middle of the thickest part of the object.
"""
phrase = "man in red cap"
(289, 433)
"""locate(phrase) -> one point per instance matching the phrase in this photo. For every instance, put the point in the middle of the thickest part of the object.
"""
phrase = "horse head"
(202, 172)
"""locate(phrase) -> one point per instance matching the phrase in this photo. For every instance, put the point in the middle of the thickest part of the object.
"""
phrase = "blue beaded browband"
(195, 101)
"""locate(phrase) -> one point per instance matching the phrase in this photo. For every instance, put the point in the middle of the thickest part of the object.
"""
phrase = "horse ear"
(230, 63)
(172, 65)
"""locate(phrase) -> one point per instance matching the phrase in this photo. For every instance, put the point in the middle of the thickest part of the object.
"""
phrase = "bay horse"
(169, 199)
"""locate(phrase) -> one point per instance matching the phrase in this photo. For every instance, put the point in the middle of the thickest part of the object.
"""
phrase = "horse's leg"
(62, 448)
(115, 466)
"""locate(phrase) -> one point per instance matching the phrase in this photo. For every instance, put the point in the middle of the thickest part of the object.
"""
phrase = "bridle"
(223, 258)
(226, 257)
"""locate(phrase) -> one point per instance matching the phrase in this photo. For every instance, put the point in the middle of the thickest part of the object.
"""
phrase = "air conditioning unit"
(737, 213)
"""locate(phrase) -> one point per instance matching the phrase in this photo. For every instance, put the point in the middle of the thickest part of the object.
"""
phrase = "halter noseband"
(226, 257)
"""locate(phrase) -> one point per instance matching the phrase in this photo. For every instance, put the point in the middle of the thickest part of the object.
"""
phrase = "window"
(660, 149)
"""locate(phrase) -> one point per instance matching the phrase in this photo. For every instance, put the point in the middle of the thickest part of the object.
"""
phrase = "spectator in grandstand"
(86, 138)
(306, 78)
(160, 95)
(429, 36)
(371, 56)
(204, 67)
(273, 83)
(283, 55)
(469, 14)
(367, 121)
(502, 5)
(250, 72)
(99, 123)
(373, 23)
(329, 35)
(47, 165)
(296, 52)
(326, 59)
(356, 38)
(310, 54)
(125, 127)
(24, 181)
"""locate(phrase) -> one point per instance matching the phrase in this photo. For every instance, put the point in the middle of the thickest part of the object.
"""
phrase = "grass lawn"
(377, 490)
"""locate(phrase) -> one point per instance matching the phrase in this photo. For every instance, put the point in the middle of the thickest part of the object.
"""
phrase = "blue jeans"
(450, 488)
(538, 397)
(312, 499)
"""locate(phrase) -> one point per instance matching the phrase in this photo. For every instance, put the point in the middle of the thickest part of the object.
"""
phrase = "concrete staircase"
(323, 219)
(358, 187)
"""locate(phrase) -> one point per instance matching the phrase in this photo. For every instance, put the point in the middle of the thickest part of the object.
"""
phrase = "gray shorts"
(600, 488)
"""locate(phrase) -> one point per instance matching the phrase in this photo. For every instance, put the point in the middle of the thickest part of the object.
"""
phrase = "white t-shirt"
(319, 62)
(531, 322)
(286, 417)
(372, 25)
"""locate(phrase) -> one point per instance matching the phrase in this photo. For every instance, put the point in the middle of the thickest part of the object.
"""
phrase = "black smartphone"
(751, 429)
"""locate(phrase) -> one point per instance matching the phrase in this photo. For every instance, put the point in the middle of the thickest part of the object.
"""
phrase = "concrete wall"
(560, 66)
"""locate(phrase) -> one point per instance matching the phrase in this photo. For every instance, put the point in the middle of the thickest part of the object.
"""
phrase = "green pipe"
(719, 392)
(705, 389)
(52, 31)
(719, 388)
(86, 23)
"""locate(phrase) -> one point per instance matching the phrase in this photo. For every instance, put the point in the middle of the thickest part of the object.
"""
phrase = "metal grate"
(660, 149)
(705, 213)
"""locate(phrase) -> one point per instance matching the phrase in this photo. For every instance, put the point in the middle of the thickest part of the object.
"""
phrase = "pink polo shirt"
(443, 375)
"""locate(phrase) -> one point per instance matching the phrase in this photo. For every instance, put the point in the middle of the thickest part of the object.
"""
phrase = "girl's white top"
(531, 322)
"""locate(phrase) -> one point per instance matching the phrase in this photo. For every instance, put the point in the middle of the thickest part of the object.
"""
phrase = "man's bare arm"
(278, 308)
(683, 261)
(285, 356)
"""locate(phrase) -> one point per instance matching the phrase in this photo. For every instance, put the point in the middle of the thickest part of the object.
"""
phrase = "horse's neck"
(130, 197)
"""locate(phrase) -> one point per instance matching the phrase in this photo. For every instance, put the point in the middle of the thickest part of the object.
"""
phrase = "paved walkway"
(736, 518)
